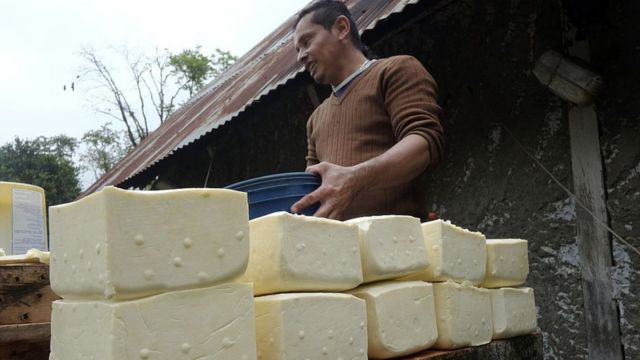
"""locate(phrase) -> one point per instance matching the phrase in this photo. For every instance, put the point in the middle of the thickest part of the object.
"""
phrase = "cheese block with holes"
(311, 326)
(390, 246)
(401, 317)
(216, 323)
(463, 315)
(292, 253)
(514, 312)
(119, 244)
(507, 263)
(454, 254)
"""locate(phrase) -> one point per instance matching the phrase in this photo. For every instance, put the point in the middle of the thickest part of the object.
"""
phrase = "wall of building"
(508, 145)
(507, 142)
(615, 45)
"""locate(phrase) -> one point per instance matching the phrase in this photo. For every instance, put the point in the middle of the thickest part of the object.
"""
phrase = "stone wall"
(508, 146)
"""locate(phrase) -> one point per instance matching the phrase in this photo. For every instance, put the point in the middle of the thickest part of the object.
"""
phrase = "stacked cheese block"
(147, 275)
(468, 273)
(405, 287)
(298, 264)
(161, 275)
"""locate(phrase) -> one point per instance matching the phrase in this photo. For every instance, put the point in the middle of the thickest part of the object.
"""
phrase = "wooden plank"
(25, 294)
(36, 332)
(25, 350)
(526, 347)
(594, 241)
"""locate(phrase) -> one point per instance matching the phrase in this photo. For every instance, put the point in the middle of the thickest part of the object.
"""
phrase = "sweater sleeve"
(410, 95)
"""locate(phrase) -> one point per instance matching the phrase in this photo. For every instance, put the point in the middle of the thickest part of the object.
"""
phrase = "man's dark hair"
(325, 13)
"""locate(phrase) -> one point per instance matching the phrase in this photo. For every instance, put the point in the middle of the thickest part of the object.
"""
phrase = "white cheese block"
(463, 315)
(118, 244)
(514, 312)
(32, 256)
(507, 263)
(209, 323)
(454, 253)
(311, 326)
(302, 253)
(390, 246)
(401, 317)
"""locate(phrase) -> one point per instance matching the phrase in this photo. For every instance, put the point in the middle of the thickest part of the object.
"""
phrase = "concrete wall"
(504, 131)
(616, 53)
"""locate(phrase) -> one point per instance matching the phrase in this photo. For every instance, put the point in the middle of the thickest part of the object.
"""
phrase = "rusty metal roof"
(270, 64)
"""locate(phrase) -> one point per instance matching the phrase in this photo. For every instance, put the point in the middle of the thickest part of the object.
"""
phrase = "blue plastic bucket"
(277, 192)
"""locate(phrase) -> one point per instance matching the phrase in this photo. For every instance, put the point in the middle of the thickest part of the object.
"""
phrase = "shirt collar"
(337, 90)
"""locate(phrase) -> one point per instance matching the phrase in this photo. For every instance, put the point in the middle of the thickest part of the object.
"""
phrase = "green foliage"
(103, 148)
(44, 161)
(220, 61)
(193, 68)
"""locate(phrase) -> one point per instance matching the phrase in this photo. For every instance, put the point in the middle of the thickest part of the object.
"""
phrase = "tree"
(220, 61)
(103, 148)
(150, 82)
(192, 68)
(44, 161)
(153, 86)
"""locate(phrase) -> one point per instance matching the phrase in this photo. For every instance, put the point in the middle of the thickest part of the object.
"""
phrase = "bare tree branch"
(149, 88)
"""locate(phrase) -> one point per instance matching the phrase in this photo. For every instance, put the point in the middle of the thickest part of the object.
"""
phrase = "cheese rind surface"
(453, 252)
(514, 312)
(118, 244)
(213, 323)
(32, 256)
(311, 326)
(507, 263)
(463, 315)
(401, 317)
(302, 253)
(390, 246)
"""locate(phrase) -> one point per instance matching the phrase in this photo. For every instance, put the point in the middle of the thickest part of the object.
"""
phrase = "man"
(378, 130)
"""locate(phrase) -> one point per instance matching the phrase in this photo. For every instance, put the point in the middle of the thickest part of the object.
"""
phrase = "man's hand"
(339, 187)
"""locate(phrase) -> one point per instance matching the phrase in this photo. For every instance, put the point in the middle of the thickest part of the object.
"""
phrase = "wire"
(599, 221)
(206, 180)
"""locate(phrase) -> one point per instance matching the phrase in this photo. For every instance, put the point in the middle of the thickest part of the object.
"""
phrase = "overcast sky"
(39, 42)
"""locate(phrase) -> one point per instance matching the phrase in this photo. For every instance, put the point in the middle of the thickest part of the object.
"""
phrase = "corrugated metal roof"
(271, 63)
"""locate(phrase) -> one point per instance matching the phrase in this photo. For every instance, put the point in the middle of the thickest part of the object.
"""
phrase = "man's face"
(317, 49)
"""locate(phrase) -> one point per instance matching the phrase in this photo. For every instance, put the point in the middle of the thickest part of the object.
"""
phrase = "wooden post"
(594, 241)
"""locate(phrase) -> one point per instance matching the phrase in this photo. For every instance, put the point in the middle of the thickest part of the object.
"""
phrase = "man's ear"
(341, 27)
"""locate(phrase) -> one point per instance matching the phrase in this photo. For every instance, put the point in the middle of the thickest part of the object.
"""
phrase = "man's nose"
(303, 57)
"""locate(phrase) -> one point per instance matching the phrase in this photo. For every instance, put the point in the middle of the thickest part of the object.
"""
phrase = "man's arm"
(340, 185)
(410, 98)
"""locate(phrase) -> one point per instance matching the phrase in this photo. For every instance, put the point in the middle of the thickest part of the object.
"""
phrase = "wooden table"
(25, 312)
(526, 347)
(25, 328)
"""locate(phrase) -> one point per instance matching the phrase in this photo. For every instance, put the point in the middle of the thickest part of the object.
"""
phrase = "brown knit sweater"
(393, 98)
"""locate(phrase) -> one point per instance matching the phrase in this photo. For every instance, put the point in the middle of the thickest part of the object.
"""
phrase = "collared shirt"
(339, 90)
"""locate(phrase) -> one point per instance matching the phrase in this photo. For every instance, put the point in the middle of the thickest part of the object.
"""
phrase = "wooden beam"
(36, 332)
(526, 347)
(594, 241)
(23, 350)
(25, 294)
(313, 95)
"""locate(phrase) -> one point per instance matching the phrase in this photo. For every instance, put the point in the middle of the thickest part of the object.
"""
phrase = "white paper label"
(28, 229)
